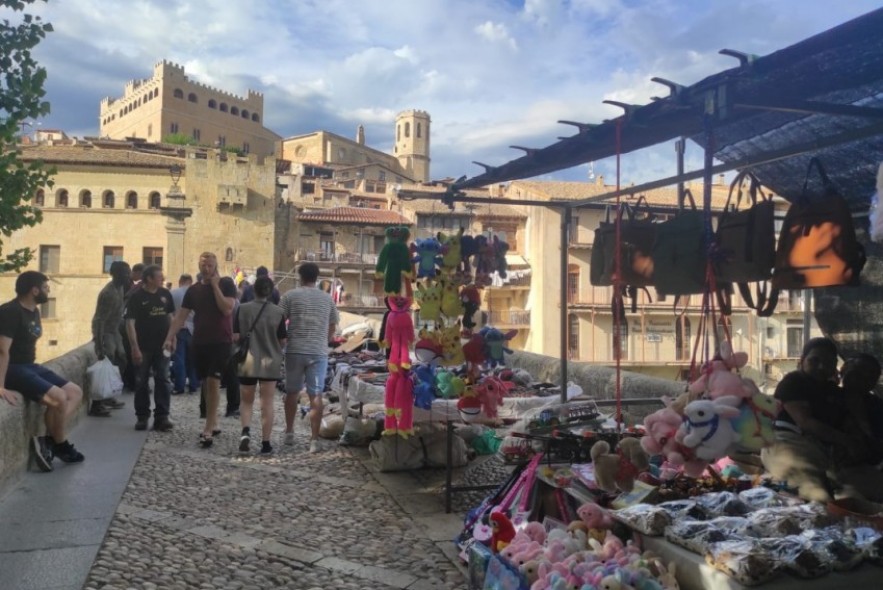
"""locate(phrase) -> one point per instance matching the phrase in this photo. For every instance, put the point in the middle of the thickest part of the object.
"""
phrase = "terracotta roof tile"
(354, 215)
(86, 154)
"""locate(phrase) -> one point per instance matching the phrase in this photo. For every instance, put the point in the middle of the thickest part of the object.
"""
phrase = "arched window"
(192, 97)
(223, 107)
(621, 340)
(234, 110)
(131, 200)
(212, 103)
(85, 199)
(419, 129)
(155, 92)
(244, 114)
(398, 132)
(61, 198)
(39, 198)
(255, 117)
(178, 93)
(108, 200)
(154, 200)
(407, 130)
(228, 256)
(683, 336)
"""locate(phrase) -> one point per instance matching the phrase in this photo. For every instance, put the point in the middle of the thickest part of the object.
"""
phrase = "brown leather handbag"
(637, 234)
(817, 245)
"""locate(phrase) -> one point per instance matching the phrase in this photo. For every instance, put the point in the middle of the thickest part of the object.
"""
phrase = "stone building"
(170, 103)
(113, 200)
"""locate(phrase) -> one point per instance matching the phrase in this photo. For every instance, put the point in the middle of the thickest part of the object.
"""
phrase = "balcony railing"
(512, 317)
(342, 257)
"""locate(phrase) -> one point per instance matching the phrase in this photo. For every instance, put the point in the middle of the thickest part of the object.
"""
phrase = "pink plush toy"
(661, 427)
(399, 402)
(490, 391)
(399, 332)
(718, 380)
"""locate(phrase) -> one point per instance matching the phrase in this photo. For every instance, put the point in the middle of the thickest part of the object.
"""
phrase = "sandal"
(205, 441)
(216, 432)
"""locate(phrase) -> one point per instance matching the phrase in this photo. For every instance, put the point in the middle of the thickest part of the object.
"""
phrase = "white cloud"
(496, 33)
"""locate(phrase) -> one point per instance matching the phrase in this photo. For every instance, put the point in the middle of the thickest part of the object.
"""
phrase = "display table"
(694, 574)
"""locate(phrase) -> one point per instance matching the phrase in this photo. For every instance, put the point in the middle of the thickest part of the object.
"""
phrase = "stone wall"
(19, 423)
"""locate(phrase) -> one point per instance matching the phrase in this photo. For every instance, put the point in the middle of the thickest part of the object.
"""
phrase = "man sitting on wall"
(20, 328)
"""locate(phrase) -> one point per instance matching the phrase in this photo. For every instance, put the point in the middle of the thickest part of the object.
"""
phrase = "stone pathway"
(209, 518)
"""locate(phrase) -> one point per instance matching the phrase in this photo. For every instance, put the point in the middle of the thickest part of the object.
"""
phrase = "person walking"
(20, 328)
(212, 305)
(262, 322)
(128, 369)
(106, 329)
(312, 321)
(229, 378)
(183, 370)
(248, 289)
(148, 315)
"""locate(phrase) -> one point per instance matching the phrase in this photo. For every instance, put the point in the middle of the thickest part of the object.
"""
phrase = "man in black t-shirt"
(148, 316)
(211, 302)
(20, 328)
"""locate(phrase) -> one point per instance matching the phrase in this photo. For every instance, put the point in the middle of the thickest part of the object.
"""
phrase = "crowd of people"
(171, 341)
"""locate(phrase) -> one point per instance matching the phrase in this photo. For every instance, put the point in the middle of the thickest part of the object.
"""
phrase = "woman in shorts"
(263, 322)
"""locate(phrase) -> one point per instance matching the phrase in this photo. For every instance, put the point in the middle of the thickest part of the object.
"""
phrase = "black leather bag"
(637, 234)
(240, 348)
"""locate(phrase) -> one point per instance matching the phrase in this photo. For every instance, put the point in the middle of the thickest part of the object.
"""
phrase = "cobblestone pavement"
(210, 518)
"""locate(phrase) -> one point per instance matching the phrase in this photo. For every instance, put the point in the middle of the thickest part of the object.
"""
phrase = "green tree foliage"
(179, 139)
(21, 98)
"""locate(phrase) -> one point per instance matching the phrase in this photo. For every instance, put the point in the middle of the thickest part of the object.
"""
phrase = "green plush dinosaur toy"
(394, 260)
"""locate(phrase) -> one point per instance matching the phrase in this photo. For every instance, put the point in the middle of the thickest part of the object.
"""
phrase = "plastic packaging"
(696, 535)
(644, 518)
(773, 522)
(731, 525)
(795, 555)
(679, 509)
(757, 498)
(743, 560)
(833, 545)
(722, 504)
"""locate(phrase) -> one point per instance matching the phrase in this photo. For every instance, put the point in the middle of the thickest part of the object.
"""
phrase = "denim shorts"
(32, 380)
(305, 369)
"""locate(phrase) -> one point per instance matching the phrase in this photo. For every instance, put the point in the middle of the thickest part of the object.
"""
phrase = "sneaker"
(289, 438)
(163, 424)
(141, 424)
(98, 410)
(233, 414)
(113, 404)
(42, 454)
(67, 453)
(266, 448)
(244, 444)
(314, 446)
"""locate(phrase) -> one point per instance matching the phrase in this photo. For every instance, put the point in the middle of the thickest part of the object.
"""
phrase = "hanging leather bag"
(817, 246)
(637, 235)
(746, 240)
(680, 254)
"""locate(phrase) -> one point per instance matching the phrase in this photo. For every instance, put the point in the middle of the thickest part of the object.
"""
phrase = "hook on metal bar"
(744, 58)
(583, 127)
(673, 87)
(526, 150)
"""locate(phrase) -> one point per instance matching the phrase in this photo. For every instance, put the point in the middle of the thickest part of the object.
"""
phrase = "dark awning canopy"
(830, 85)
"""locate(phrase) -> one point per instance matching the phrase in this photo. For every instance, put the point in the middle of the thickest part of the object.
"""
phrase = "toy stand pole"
(566, 214)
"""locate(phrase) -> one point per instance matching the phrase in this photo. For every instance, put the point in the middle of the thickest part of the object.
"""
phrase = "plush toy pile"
(448, 272)
(720, 413)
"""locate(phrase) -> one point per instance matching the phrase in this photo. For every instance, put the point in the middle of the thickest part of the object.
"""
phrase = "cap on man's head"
(262, 271)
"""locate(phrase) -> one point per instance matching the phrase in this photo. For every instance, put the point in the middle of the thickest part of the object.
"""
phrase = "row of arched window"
(419, 130)
(151, 94)
(223, 107)
(84, 199)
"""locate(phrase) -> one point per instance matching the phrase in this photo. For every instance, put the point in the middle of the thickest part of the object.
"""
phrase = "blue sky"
(490, 72)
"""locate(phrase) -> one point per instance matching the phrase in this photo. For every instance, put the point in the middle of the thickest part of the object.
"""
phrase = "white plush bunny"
(707, 427)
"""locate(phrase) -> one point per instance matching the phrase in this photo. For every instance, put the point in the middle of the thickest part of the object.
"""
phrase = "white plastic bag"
(104, 380)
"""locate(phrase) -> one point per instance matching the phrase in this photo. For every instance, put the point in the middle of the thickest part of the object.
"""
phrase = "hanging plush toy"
(661, 429)
(427, 255)
(451, 305)
(449, 385)
(399, 401)
(485, 260)
(428, 349)
(429, 296)
(424, 388)
(495, 345)
(754, 424)
(394, 260)
(500, 249)
(452, 348)
(469, 405)
(470, 296)
(503, 533)
(451, 256)
(468, 249)
(490, 391)
(618, 471)
(707, 428)
(718, 378)
(399, 332)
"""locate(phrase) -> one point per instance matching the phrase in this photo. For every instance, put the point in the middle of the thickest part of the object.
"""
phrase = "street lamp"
(175, 172)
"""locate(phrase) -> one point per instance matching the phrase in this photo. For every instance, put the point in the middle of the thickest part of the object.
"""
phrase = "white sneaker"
(314, 446)
(289, 438)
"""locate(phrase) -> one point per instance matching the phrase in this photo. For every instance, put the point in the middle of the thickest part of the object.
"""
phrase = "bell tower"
(412, 143)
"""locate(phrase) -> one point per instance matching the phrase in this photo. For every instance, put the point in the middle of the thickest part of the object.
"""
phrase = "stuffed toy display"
(485, 261)
(490, 392)
(469, 405)
(503, 533)
(424, 386)
(500, 249)
(754, 424)
(468, 249)
(427, 255)
(451, 305)
(470, 296)
(452, 253)
(718, 380)
(394, 260)
(428, 350)
(452, 347)
(661, 431)
(618, 471)
(399, 332)
(399, 401)
(429, 296)
(495, 344)
(707, 428)
(449, 386)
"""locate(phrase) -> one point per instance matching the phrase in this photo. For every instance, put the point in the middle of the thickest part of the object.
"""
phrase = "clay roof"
(87, 154)
(354, 215)
(572, 191)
